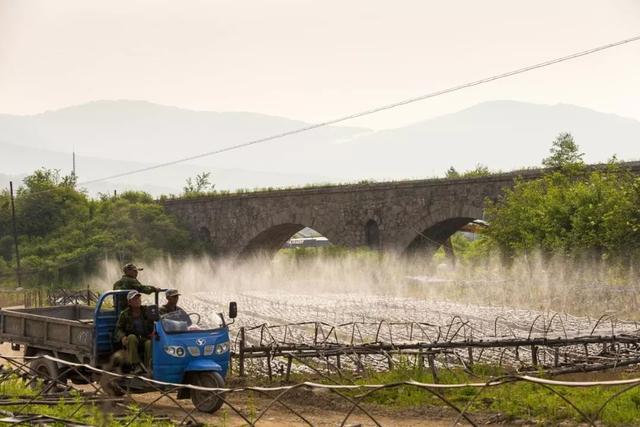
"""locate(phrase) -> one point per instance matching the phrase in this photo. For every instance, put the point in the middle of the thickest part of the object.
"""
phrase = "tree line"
(63, 233)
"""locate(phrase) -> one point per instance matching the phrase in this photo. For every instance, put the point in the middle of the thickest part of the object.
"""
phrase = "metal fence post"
(242, 344)
(289, 360)
(432, 365)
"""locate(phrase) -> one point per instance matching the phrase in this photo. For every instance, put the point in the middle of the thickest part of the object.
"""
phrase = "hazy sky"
(314, 60)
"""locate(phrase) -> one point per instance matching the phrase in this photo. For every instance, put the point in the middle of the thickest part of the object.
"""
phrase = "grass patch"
(17, 389)
(518, 400)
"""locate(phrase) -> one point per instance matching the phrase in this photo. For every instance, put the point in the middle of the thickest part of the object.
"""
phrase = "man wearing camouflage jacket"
(129, 281)
(133, 330)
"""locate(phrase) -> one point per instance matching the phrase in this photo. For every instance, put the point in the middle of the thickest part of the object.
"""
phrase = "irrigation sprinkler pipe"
(260, 351)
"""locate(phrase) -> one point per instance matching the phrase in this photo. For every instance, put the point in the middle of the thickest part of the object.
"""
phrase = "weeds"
(16, 388)
(517, 400)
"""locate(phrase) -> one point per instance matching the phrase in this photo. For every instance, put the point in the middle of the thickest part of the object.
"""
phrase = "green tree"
(48, 201)
(63, 233)
(199, 185)
(564, 153)
(134, 226)
(585, 214)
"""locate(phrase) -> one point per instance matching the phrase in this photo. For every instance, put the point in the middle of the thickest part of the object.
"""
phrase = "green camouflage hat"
(130, 266)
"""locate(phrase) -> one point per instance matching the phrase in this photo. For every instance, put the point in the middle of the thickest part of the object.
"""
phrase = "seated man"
(171, 310)
(133, 331)
(172, 296)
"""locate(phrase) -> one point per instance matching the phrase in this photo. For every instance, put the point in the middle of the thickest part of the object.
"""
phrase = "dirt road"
(318, 413)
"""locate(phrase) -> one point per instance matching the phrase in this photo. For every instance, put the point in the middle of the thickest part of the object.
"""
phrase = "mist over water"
(368, 274)
(578, 288)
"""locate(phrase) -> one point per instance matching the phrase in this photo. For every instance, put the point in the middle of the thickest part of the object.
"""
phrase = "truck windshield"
(180, 321)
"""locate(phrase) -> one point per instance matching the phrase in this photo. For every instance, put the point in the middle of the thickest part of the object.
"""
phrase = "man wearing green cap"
(129, 281)
(171, 306)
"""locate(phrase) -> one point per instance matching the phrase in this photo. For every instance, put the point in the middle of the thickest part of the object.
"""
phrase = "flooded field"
(386, 294)
(439, 319)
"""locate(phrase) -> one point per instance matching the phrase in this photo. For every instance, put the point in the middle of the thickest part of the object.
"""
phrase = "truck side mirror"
(233, 310)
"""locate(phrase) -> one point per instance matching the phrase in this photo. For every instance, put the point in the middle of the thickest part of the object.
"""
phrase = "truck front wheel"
(206, 401)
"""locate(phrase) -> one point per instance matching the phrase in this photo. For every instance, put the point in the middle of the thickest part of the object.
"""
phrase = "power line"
(373, 110)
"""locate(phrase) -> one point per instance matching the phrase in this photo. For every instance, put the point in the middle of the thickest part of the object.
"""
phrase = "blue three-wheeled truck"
(185, 348)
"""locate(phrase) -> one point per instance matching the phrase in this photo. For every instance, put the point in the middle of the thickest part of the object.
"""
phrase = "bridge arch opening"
(372, 234)
(284, 236)
(204, 234)
(439, 237)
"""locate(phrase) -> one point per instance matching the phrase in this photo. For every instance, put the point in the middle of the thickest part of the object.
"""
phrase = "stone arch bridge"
(399, 216)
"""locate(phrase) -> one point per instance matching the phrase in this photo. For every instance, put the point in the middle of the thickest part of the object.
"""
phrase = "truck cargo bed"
(64, 329)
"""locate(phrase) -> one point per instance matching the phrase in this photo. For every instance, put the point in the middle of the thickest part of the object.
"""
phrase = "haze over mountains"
(111, 137)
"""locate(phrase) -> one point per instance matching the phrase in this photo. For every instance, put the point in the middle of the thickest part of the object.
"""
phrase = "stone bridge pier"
(400, 216)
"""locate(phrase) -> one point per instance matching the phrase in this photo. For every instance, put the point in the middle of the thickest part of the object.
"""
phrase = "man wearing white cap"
(133, 331)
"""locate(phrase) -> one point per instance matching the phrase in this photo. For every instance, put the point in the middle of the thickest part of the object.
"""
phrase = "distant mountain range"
(503, 135)
(111, 137)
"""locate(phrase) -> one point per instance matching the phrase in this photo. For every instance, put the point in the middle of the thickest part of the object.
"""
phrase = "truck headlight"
(194, 351)
(223, 347)
(175, 350)
(208, 349)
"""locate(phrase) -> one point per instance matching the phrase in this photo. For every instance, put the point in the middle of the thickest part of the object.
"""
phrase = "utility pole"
(15, 234)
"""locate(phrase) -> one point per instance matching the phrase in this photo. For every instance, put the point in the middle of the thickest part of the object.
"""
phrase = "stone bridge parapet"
(390, 216)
